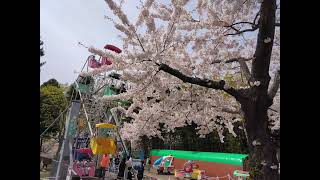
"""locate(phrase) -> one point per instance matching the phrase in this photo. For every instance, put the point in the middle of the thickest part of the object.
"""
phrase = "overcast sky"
(63, 23)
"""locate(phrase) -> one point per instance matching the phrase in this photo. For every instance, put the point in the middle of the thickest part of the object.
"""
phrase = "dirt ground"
(45, 173)
(153, 174)
(110, 176)
(148, 176)
(159, 177)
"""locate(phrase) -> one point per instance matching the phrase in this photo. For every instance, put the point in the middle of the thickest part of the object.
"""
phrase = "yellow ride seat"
(102, 145)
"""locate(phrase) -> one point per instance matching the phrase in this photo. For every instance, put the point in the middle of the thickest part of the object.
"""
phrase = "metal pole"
(62, 148)
(117, 124)
(76, 146)
(71, 159)
(89, 125)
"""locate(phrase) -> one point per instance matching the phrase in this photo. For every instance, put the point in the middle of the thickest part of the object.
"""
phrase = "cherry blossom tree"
(213, 63)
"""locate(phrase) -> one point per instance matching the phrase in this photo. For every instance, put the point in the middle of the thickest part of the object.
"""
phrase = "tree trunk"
(41, 142)
(145, 141)
(263, 162)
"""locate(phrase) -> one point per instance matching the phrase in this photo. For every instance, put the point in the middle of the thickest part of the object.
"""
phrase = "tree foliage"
(161, 58)
(185, 138)
(51, 82)
(41, 48)
(52, 103)
(41, 53)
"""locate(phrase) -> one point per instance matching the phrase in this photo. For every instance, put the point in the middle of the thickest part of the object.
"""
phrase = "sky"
(64, 23)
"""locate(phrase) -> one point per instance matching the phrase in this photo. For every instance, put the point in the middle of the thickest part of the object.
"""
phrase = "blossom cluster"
(194, 38)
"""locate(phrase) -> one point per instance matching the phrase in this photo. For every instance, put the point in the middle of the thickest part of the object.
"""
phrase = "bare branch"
(216, 61)
(238, 59)
(253, 24)
(219, 85)
(139, 42)
(237, 30)
(242, 22)
(273, 110)
(275, 85)
(243, 31)
(255, 18)
(231, 60)
(145, 60)
(164, 44)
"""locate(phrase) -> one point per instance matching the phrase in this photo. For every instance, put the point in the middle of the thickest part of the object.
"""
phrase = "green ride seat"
(83, 88)
(108, 91)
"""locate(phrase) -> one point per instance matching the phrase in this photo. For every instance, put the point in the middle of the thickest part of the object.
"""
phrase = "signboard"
(82, 142)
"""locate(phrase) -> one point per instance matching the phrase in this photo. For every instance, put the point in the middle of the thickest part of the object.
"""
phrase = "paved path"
(148, 176)
(159, 177)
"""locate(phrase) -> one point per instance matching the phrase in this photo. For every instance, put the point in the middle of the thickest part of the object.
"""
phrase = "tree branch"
(164, 44)
(244, 68)
(242, 22)
(253, 24)
(238, 59)
(244, 1)
(148, 60)
(243, 31)
(231, 60)
(219, 85)
(230, 111)
(273, 110)
(255, 18)
(139, 42)
(275, 85)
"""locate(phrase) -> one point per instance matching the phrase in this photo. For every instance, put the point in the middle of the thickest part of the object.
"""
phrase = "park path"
(148, 175)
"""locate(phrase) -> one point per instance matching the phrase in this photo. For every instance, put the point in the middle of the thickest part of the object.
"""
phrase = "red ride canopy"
(112, 48)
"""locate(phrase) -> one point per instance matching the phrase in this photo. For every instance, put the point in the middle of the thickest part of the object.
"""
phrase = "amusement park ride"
(84, 146)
